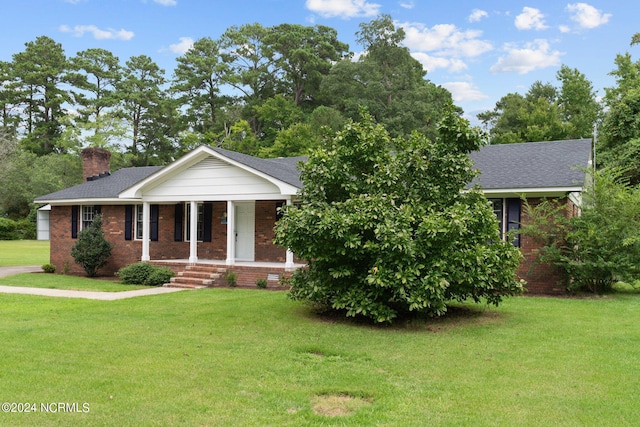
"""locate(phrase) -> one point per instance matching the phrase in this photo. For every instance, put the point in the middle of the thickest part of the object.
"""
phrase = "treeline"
(572, 109)
(267, 91)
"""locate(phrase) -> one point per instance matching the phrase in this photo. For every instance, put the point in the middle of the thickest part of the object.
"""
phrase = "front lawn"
(59, 281)
(23, 252)
(250, 357)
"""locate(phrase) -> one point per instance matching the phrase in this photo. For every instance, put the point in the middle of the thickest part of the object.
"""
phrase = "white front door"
(245, 231)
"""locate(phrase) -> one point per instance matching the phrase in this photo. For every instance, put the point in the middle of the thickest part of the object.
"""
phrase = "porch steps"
(197, 276)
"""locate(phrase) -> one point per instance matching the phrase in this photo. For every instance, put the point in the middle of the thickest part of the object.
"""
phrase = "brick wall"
(541, 278)
(128, 251)
(265, 249)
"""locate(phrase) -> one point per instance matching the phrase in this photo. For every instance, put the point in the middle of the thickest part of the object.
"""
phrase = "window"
(200, 226)
(508, 213)
(88, 213)
(139, 222)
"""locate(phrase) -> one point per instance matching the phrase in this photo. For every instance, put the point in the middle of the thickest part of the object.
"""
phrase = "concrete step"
(197, 281)
(199, 274)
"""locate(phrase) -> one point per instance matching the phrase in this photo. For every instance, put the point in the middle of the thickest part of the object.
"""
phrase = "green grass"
(23, 252)
(59, 281)
(251, 357)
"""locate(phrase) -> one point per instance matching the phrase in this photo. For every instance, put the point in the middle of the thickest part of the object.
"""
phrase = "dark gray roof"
(283, 168)
(532, 164)
(510, 166)
(103, 188)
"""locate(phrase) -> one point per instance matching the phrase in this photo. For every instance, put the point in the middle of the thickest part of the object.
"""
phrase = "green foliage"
(92, 250)
(261, 283)
(386, 229)
(49, 268)
(7, 229)
(144, 273)
(231, 278)
(545, 113)
(25, 176)
(387, 81)
(599, 246)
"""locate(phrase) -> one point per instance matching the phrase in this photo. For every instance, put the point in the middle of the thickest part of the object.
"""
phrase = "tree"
(545, 113)
(304, 55)
(597, 247)
(40, 71)
(618, 144)
(577, 102)
(249, 61)
(387, 81)
(150, 112)
(198, 78)
(25, 176)
(94, 74)
(9, 100)
(386, 229)
(92, 250)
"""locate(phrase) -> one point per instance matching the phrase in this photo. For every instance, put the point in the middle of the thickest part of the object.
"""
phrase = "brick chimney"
(95, 163)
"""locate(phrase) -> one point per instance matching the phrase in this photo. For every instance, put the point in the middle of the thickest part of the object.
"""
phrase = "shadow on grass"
(457, 315)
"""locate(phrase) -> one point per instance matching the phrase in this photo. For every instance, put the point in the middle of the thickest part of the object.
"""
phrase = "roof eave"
(198, 154)
(85, 201)
(533, 191)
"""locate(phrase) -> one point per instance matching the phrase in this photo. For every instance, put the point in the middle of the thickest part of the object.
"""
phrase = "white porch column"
(146, 224)
(231, 232)
(193, 232)
(289, 255)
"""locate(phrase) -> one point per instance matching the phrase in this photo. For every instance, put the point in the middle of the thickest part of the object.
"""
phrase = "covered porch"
(216, 208)
(212, 273)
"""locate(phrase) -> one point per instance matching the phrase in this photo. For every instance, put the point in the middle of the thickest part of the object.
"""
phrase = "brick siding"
(129, 251)
(541, 278)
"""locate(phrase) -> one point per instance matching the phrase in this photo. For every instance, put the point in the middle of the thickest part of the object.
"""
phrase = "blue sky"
(479, 50)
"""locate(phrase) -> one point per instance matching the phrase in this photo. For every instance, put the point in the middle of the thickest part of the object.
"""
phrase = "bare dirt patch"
(337, 405)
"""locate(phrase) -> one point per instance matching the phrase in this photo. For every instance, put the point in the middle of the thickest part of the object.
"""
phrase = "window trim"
(85, 211)
(504, 219)
(200, 222)
(138, 222)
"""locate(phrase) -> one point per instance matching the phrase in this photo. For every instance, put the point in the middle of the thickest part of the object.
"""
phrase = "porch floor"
(222, 263)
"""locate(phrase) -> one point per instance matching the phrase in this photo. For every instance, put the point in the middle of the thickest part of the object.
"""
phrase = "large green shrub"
(144, 273)
(597, 247)
(92, 250)
(8, 229)
(386, 229)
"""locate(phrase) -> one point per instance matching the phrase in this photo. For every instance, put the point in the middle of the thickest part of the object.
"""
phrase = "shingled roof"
(539, 165)
(283, 168)
(107, 187)
(531, 165)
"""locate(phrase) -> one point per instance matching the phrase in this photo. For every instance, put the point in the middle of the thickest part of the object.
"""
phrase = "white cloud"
(535, 55)
(407, 4)
(166, 2)
(445, 39)
(564, 29)
(432, 63)
(98, 34)
(587, 16)
(530, 18)
(477, 15)
(464, 91)
(182, 46)
(343, 8)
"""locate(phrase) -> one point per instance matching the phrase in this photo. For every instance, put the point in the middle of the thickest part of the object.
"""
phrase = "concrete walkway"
(104, 296)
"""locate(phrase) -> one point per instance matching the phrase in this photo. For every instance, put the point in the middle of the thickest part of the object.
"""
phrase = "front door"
(245, 231)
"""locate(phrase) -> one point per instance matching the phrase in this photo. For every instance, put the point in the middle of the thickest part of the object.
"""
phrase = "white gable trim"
(199, 154)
